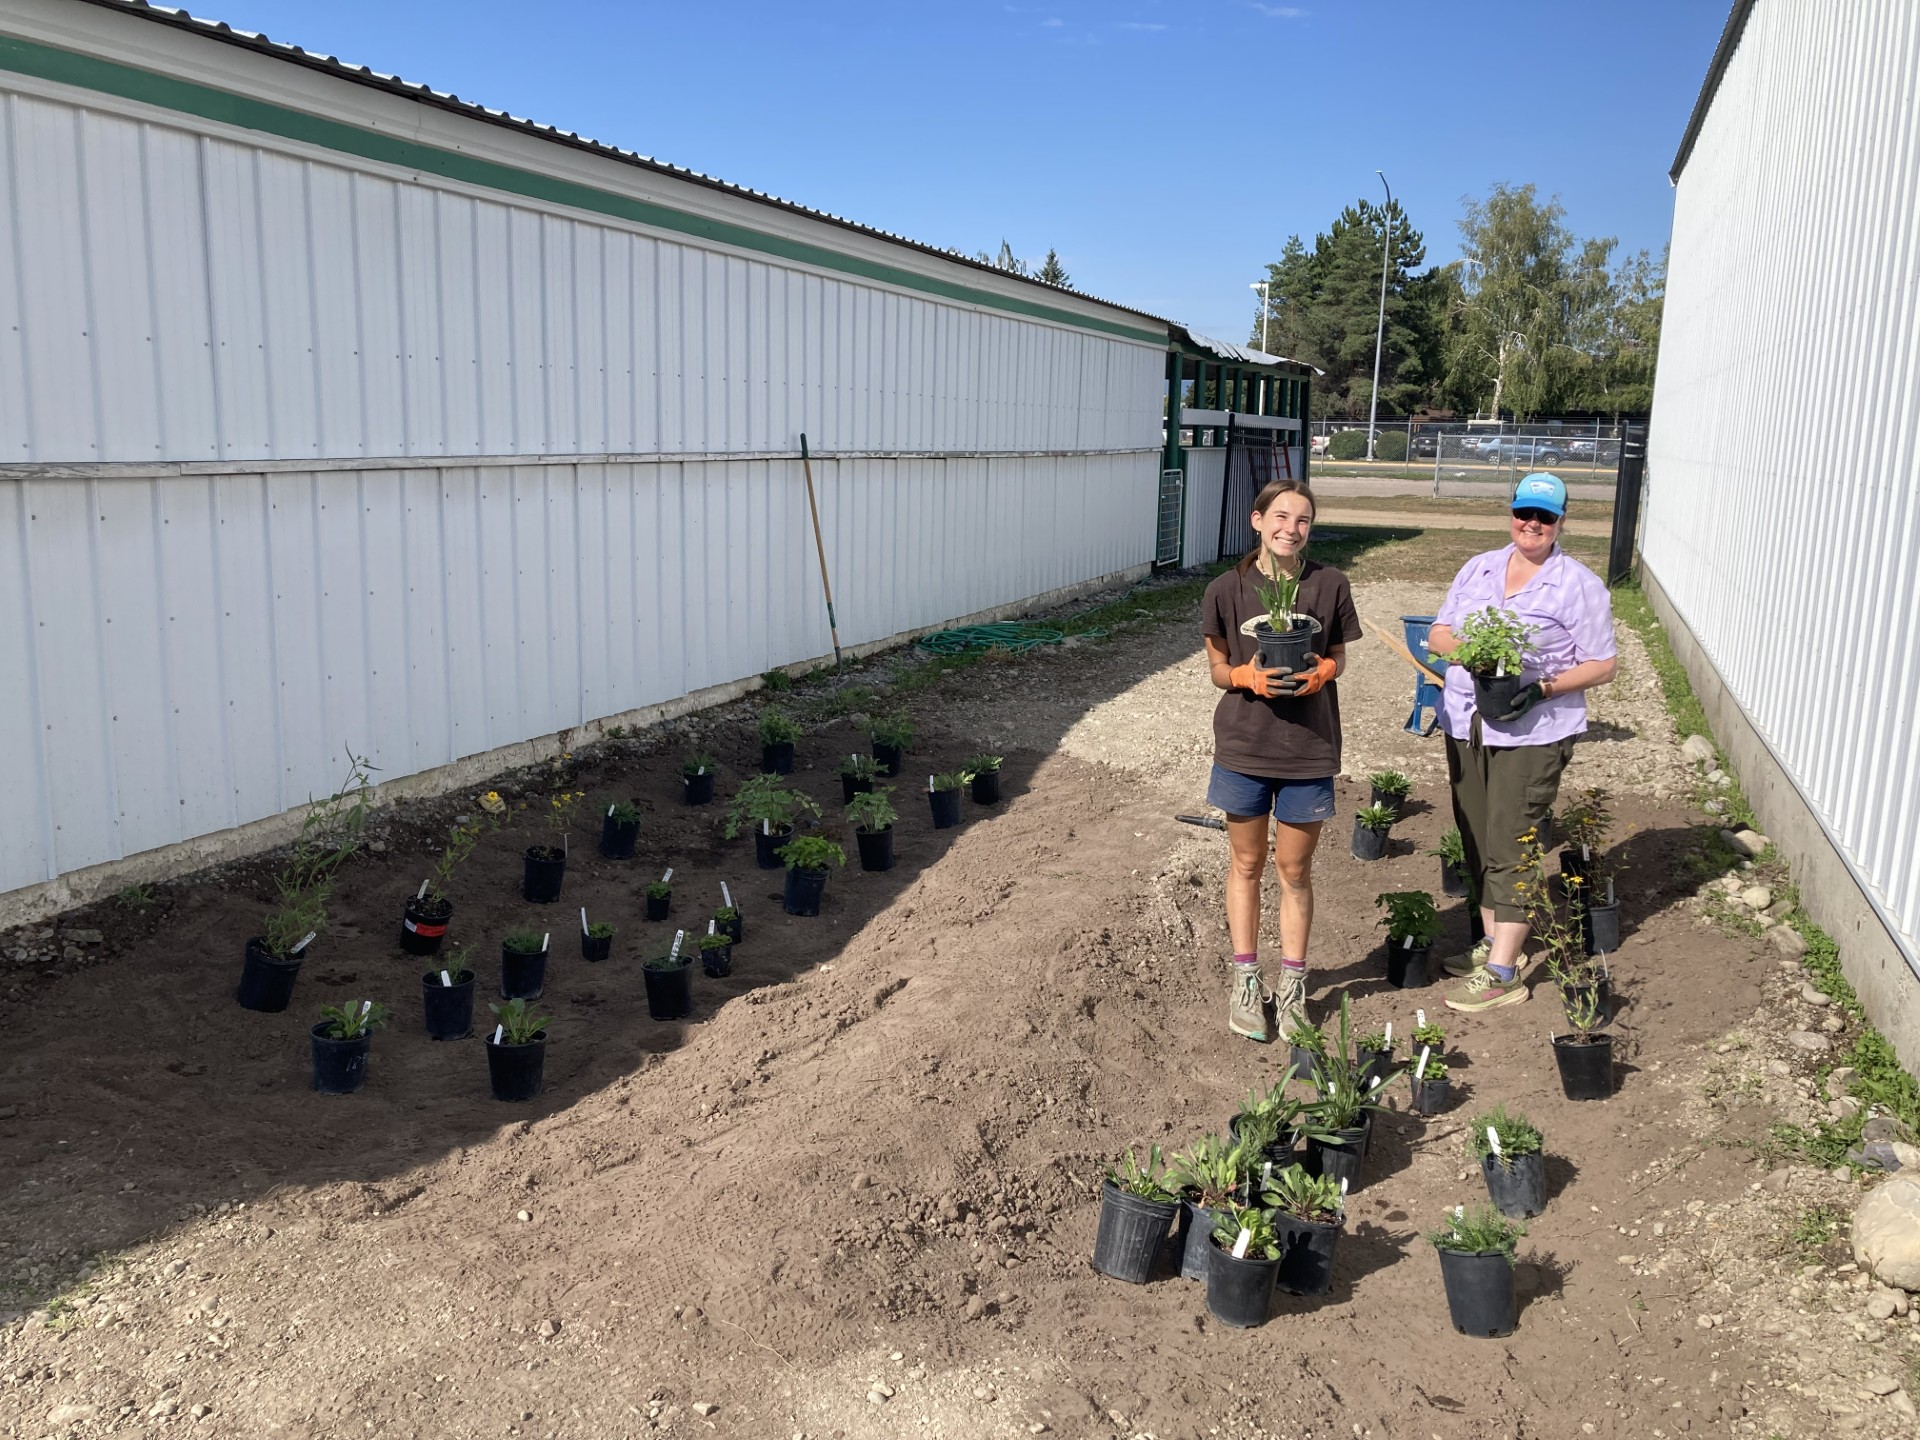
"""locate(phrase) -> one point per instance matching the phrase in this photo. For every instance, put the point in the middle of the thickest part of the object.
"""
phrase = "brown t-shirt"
(1288, 738)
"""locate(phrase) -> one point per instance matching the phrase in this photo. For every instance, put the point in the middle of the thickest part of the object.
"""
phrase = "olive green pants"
(1499, 793)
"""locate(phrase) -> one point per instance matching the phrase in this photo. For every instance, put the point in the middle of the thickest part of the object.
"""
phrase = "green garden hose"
(1015, 636)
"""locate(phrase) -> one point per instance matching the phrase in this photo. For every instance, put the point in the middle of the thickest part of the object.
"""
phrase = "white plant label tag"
(1500, 670)
(1408, 944)
(1459, 1212)
(1420, 1070)
(667, 878)
(1343, 1187)
(766, 827)
(499, 1032)
(1240, 1244)
(583, 920)
(446, 979)
(701, 771)
(1586, 853)
(1374, 1086)
(1420, 1017)
(544, 939)
(710, 925)
(726, 895)
(421, 893)
(1266, 1174)
(678, 937)
(929, 784)
(609, 812)
(366, 1007)
(305, 940)
(1388, 1035)
(1493, 1141)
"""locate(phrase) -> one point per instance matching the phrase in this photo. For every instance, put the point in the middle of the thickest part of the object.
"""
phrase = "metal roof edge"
(1197, 342)
(1716, 68)
(261, 44)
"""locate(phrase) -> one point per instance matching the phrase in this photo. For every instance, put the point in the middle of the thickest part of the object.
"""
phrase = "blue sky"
(1166, 150)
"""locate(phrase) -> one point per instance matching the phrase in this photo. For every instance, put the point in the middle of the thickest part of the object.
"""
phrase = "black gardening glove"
(1528, 696)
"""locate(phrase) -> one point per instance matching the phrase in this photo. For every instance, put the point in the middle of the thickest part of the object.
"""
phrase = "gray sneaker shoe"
(1290, 1000)
(1247, 1001)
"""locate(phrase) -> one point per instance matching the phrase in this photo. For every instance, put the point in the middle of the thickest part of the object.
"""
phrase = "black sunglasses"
(1538, 517)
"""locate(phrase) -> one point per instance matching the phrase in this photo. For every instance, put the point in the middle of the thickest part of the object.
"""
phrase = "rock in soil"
(1886, 1232)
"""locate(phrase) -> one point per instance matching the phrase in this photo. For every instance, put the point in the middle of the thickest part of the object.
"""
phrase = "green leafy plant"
(811, 852)
(134, 897)
(1377, 818)
(1411, 915)
(1429, 1036)
(1436, 1070)
(1453, 850)
(1303, 1035)
(454, 962)
(776, 680)
(859, 767)
(777, 727)
(668, 959)
(1210, 1171)
(1343, 1101)
(330, 832)
(766, 800)
(1582, 1006)
(1278, 591)
(562, 805)
(525, 942)
(1493, 642)
(1315, 1198)
(896, 731)
(461, 841)
(659, 890)
(951, 780)
(1375, 1041)
(1148, 1181)
(1262, 1242)
(983, 764)
(623, 812)
(519, 1024)
(697, 764)
(1517, 1135)
(1390, 782)
(299, 914)
(354, 1019)
(600, 930)
(1478, 1230)
(725, 915)
(1561, 938)
(1586, 824)
(714, 941)
(873, 811)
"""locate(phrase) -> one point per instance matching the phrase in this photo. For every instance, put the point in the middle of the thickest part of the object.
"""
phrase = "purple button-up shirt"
(1572, 619)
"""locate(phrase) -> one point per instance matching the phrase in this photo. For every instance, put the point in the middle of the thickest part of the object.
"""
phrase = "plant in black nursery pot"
(1476, 1266)
(1244, 1255)
(716, 952)
(596, 939)
(517, 1051)
(1494, 646)
(872, 816)
(1431, 1087)
(728, 916)
(809, 860)
(1136, 1209)
(447, 996)
(856, 776)
(696, 779)
(1509, 1149)
(523, 965)
(423, 923)
(340, 1044)
(1413, 924)
(985, 770)
(777, 735)
(892, 736)
(1284, 636)
(1343, 1115)
(1208, 1177)
(619, 829)
(1585, 1057)
(943, 793)
(660, 896)
(772, 810)
(1452, 853)
(1309, 1212)
(1370, 829)
(546, 865)
(1585, 825)
(1390, 789)
(669, 980)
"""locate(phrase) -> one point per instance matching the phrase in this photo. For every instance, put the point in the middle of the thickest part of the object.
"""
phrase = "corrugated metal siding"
(1783, 515)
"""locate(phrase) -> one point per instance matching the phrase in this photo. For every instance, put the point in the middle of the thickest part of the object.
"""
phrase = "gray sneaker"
(1467, 964)
(1290, 1000)
(1247, 1001)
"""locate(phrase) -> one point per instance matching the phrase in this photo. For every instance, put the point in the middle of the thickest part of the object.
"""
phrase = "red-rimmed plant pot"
(266, 984)
(697, 789)
(1239, 1288)
(545, 871)
(876, 848)
(804, 890)
(765, 845)
(669, 992)
(618, 837)
(1368, 844)
(777, 758)
(1307, 1252)
(448, 1008)
(1518, 1188)
(986, 787)
(523, 975)
(1586, 1071)
(423, 924)
(339, 1066)
(1132, 1230)
(1480, 1293)
(516, 1072)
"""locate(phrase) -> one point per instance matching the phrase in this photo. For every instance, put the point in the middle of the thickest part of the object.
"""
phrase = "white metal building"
(1782, 528)
(336, 412)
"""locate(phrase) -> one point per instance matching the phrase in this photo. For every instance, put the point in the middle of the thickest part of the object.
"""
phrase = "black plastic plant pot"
(266, 984)
(697, 789)
(1430, 1096)
(339, 1066)
(1340, 1158)
(876, 848)
(1374, 1065)
(946, 808)
(449, 1008)
(595, 947)
(804, 889)
(522, 976)
(658, 906)
(1493, 694)
(1393, 800)
(1368, 844)
(1406, 968)
(1239, 1291)
(1518, 1187)
(1132, 1230)
(1195, 1236)
(986, 788)
(515, 1071)
(1586, 1071)
(1479, 1292)
(736, 927)
(1288, 653)
(777, 758)
(1305, 1063)
(546, 868)
(1306, 1253)
(716, 961)
(1601, 993)
(423, 925)
(764, 846)
(618, 837)
(1452, 883)
(852, 785)
(670, 992)
(1601, 923)
(1279, 1153)
(887, 757)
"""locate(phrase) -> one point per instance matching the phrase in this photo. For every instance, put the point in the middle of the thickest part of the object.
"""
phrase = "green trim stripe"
(89, 72)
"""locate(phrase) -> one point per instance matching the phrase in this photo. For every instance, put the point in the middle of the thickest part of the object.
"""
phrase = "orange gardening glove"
(1267, 684)
(1309, 682)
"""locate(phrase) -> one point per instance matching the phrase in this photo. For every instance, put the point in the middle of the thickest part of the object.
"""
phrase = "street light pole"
(1262, 286)
(1380, 326)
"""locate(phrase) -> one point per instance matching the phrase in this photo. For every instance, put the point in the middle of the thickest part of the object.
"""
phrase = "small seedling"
(811, 852)
(1430, 1037)
(1247, 1232)
(777, 727)
(697, 764)
(1493, 642)
(600, 930)
(1513, 1134)
(519, 1025)
(983, 764)
(1377, 818)
(623, 812)
(1390, 782)
(1481, 1230)
(764, 802)
(713, 940)
(950, 780)
(894, 731)
(1292, 1191)
(352, 1020)
(873, 811)
(525, 942)
(134, 897)
(859, 767)
(659, 890)
(1148, 1181)
(1210, 1170)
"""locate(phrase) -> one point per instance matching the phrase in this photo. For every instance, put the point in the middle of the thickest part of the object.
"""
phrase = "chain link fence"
(1575, 450)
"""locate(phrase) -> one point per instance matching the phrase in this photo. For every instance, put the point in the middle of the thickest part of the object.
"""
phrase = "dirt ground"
(855, 1196)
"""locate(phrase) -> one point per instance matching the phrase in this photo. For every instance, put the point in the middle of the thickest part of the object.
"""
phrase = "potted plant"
(856, 776)
(728, 917)
(1431, 1087)
(1307, 1044)
(340, 1044)
(1208, 1177)
(1269, 1125)
(446, 997)
(1510, 1151)
(660, 896)
(546, 865)
(892, 736)
(1585, 1057)
(1476, 1266)
(1284, 637)
(1343, 1113)
(943, 792)
(523, 965)
(596, 940)
(1585, 825)
(1309, 1212)
(810, 859)
(985, 770)
(619, 829)
(1370, 829)
(872, 816)
(1390, 789)
(669, 980)
(777, 734)
(773, 810)
(329, 833)
(1136, 1208)
(423, 921)
(1413, 924)
(696, 778)
(1374, 1053)
(1494, 646)
(1244, 1256)
(516, 1051)
(1452, 851)
(716, 952)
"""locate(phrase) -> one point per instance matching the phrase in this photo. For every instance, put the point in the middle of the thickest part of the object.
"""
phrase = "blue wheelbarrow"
(1428, 683)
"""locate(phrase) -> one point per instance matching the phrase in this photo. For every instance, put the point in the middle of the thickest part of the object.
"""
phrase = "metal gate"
(1173, 504)
(1254, 457)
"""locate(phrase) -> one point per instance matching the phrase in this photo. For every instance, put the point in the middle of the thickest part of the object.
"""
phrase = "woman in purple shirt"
(1505, 769)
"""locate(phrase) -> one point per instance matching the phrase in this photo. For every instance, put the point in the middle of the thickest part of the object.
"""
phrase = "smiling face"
(1534, 532)
(1284, 525)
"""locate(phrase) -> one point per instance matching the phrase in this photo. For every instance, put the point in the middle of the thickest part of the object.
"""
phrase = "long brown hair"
(1271, 492)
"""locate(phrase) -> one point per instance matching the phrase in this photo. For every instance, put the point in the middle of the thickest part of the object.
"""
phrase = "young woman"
(1276, 747)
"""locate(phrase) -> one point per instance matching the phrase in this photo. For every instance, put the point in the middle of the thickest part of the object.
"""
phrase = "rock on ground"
(1886, 1232)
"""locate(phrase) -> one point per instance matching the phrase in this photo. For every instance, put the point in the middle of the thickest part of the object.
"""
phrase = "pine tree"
(1051, 271)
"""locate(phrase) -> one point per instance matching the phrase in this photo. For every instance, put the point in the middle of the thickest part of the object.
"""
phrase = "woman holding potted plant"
(1531, 629)
(1276, 736)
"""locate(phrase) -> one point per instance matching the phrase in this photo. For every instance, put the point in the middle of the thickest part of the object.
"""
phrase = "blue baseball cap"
(1540, 491)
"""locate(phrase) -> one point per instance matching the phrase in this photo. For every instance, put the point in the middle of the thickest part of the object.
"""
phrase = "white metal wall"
(1783, 512)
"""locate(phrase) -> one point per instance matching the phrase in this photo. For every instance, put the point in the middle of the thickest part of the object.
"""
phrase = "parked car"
(1608, 452)
(1425, 443)
(1522, 450)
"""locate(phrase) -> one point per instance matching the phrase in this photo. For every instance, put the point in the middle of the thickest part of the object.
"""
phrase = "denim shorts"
(1293, 802)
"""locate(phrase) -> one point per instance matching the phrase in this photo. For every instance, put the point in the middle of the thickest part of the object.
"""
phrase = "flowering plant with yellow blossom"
(1561, 937)
(492, 803)
(560, 810)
